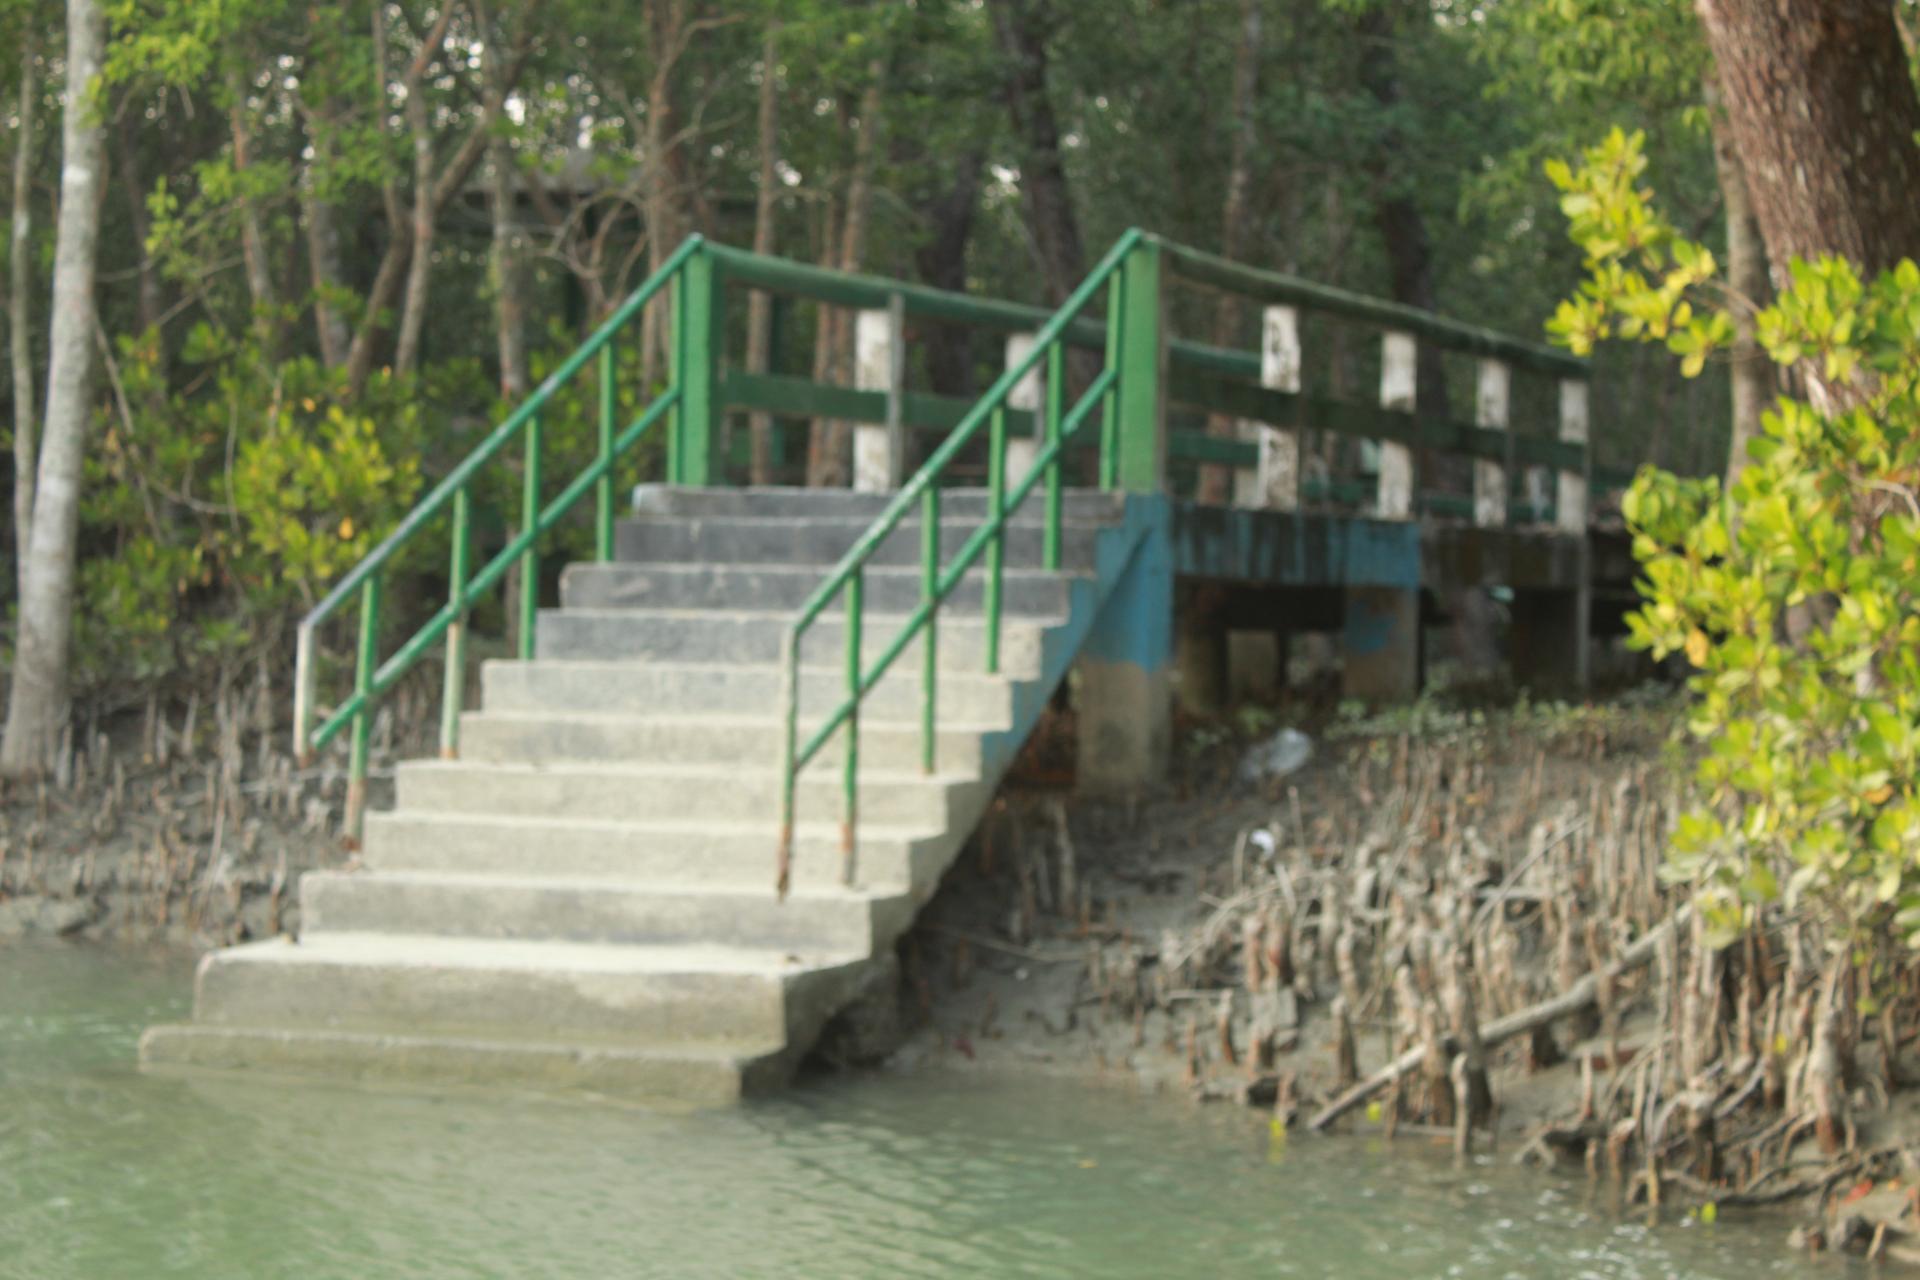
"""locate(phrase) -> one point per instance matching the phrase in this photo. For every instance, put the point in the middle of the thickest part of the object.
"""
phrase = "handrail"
(1277, 286)
(364, 579)
(852, 289)
(847, 576)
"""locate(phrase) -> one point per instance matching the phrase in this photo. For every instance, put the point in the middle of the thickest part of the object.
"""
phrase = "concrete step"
(544, 908)
(821, 542)
(630, 793)
(688, 852)
(963, 697)
(845, 504)
(1024, 592)
(703, 635)
(536, 738)
(694, 1074)
(594, 994)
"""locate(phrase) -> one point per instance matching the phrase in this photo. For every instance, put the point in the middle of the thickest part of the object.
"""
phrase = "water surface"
(108, 1173)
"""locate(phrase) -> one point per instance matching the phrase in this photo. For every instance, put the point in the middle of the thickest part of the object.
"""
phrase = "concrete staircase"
(584, 900)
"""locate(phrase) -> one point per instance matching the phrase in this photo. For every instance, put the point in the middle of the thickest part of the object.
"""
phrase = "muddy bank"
(174, 843)
(1448, 927)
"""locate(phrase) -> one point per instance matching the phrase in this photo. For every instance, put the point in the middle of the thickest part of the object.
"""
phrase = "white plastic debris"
(1285, 752)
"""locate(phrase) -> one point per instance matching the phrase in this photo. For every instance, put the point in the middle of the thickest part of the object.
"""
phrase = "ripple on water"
(105, 1173)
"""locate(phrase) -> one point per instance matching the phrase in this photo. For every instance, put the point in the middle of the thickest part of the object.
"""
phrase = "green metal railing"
(1141, 369)
(689, 390)
(1130, 367)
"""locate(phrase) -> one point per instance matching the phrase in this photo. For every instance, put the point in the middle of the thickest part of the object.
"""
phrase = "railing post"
(1141, 464)
(850, 779)
(530, 558)
(879, 364)
(365, 659)
(1274, 481)
(929, 590)
(696, 340)
(789, 748)
(603, 488)
(1489, 477)
(997, 545)
(1380, 632)
(305, 679)
(1551, 648)
(453, 692)
(1108, 463)
(1571, 514)
(1571, 518)
(1399, 363)
(1027, 394)
(1056, 409)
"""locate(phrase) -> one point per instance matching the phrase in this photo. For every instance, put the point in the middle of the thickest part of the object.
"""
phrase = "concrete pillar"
(1200, 649)
(1256, 662)
(1549, 641)
(1380, 644)
(1273, 483)
(1124, 708)
(879, 364)
(1027, 394)
(1490, 477)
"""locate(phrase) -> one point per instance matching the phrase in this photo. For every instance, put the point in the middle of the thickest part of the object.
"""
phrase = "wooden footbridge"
(689, 819)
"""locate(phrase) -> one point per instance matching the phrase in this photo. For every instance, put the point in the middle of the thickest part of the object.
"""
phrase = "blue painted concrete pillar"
(1124, 698)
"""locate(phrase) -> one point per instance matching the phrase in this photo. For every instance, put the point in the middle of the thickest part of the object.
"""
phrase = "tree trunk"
(1215, 481)
(253, 243)
(941, 259)
(1751, 374)
(20, 313)
(838, 464)
(413, 311)
(1823, 113)
(509, 235)
(428, 201)
(760, 303)
(37, 706)
(1403, 228)
(824, 343)
(1023, 27)
(666, 28)
(323, 260)
(148, 306)
(393, 263)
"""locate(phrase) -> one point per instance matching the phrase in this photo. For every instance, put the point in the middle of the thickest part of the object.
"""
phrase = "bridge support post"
(1124, 703)
(1380, 644)
(1200, 647)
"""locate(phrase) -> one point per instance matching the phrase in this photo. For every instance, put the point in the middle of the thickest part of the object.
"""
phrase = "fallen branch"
(1572, 1000)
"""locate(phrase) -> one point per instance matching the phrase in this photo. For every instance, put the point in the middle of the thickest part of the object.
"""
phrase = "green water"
(106, 1173)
